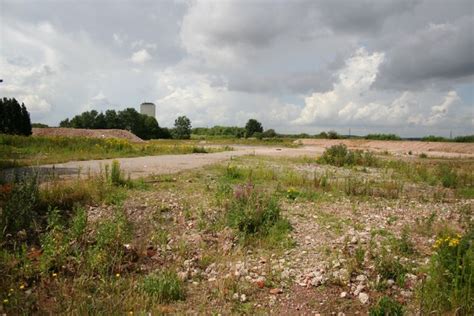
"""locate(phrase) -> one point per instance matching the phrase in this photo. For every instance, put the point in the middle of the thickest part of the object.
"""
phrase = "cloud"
(352, 101)
(140, 57)
(448, 55)
(404, 66)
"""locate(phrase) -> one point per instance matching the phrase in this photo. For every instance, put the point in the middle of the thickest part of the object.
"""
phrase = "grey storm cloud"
(296, 65)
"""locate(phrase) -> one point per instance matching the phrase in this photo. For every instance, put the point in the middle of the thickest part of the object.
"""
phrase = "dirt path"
(168, 164)
(165, 164)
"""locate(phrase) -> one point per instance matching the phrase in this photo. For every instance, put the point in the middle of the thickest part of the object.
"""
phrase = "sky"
(372, 66)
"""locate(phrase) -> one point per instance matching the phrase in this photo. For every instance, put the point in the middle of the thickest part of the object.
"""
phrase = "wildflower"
(453, 242)
(5, 301)
(22, 287)
(118, 275)
(11, 290)
(55, 275)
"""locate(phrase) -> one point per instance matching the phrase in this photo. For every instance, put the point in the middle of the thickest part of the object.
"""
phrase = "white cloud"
(140, 57)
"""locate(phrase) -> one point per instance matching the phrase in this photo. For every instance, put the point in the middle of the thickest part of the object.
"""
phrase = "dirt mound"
(92, 133)
(416, 147)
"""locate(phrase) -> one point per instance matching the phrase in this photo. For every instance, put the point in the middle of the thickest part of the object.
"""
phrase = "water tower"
(148, 108)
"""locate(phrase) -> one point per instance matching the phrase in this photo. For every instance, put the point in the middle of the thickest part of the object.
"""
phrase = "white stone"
(363, 298)
(343, 295)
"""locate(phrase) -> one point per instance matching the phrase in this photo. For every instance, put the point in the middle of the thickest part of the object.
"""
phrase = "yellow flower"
(454, 242)
(5, 301)
(22, 287)
(11, 290)
(118, 275)
(55, 275)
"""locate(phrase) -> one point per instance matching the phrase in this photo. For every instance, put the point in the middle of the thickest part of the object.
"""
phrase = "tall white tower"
(148, 108)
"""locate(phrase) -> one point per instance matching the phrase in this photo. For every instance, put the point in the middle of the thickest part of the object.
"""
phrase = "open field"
(253, 231)
(17, 151)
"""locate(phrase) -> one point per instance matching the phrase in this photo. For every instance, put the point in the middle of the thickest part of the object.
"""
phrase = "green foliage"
(18, 211)
(116, 176)
(221, 131)
(20, 150)
(14, 118)
(182, 128)
(252, 212)
(383, 137)
(387, 306)
(432, 138)
(144, 126)
(448, 176)
(464, 139)
(253, 126)
(163, 287)
(339, 155)
(269, 133)
(449, 285)
(390, 267)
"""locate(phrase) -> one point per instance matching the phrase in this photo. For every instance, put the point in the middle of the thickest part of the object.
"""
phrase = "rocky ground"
(332, 266)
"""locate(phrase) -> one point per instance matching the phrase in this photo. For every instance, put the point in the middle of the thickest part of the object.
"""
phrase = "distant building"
(148, 108)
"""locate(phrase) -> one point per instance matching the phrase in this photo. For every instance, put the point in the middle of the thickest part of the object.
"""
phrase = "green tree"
(269, 133)
(253, 126)
(182, 128)
(14, 118)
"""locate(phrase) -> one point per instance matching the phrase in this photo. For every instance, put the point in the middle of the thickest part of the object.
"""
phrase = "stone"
(243, 298)
(343, 295)
(363, 297)
(276, 291)
(361, 278)
(358, 289)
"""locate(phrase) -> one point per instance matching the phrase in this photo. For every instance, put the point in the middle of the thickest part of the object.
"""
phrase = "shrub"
(19, 210)
(448, 176)
(339, 155)
(423, 156)
(449, 285)
(383, 137)
(387, 307)
(256, 214)
(164, 287)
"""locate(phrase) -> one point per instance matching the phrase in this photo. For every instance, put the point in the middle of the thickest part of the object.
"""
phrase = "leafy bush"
(383, 137)
(387, 307)
(164, 287)
(464, 139)
(339, 155)
(449, 285)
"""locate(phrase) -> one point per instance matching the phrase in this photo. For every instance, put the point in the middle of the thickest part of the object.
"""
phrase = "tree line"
(144, 126)
(14, 118)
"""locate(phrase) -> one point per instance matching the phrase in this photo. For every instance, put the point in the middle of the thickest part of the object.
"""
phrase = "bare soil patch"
(82, 132)
(438, 149)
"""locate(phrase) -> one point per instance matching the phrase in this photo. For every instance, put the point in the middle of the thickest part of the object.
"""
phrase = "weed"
(387, 306)
(256, 214)
(390, 267)
(449, 285)
(339, 155)
(19, 211)
(423, 156)
(448, 176)
(163, 287)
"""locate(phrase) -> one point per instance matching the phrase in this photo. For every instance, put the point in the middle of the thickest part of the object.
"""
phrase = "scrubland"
(348, 231)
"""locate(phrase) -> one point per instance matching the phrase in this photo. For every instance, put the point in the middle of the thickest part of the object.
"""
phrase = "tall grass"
(22, 150)
(449, 285)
